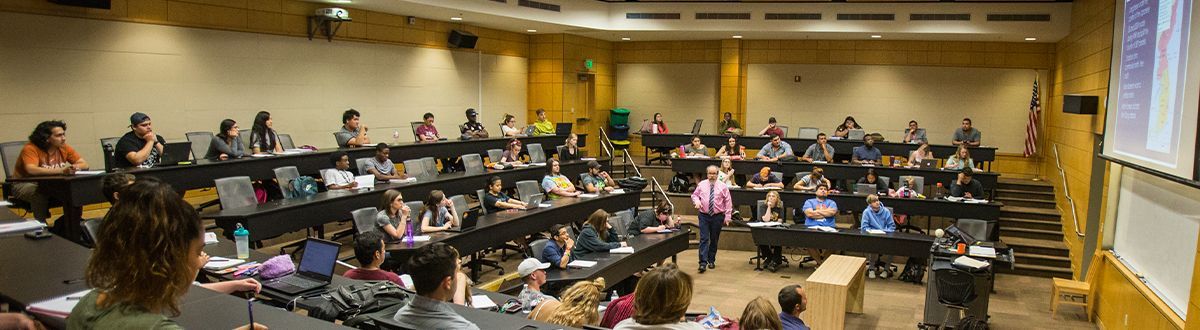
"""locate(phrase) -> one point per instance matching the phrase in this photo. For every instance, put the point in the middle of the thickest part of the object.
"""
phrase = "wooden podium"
(834, 289)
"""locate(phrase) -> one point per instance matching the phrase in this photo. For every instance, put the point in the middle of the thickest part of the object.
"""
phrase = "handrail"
(663, 193)
(629, 162)
(608, 149)
(1066, 192)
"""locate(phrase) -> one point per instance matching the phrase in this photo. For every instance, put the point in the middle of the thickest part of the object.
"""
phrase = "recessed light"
(737, 37)
(456, 18)
(626, 38)
(531, 31)
(876, 36)
(340, 1)
(1030, 39)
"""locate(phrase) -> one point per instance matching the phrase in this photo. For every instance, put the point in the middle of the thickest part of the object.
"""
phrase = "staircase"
(1031, 225)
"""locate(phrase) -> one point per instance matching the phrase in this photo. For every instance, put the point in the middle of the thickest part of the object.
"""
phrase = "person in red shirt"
(369, 250)
(47, 153)
(618, 310)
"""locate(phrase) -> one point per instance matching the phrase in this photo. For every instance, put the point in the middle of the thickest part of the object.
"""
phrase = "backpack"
(302, 186)
(914, 271)
(679, 183)
(354, 303)
(632, 184)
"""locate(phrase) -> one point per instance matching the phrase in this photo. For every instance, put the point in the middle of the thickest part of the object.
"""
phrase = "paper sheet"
(981, 251)
(58, 307)
(480, 301)
(88, 172)
(764, 224)
(876, 232)
(625, 249)
(581, 264)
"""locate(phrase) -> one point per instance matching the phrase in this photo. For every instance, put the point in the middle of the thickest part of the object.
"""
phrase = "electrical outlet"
(796, 78)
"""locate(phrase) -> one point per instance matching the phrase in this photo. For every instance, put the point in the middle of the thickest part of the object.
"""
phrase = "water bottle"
(408, 234)
(937, 191)
(395, 136)
(242, 237)
(528, 307)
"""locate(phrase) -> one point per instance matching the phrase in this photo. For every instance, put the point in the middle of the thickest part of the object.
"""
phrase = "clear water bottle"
(242, 237)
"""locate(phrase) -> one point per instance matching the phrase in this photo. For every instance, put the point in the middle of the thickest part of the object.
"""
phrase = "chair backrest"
(799, 175)
(200, 142)
(536, 154)
(235, 192)
(809, 132)
(537, 246)
(107, 147)
(414, 167)
(472, 163)
(415, 124)
(760, 209)
(10, 152)
(494, 155)
(619, 223)
(285, 141)
(974, 227)
(364, 219)
(696, 126)
(527, 188)
(92, 226)
(918, 183)
(785, 130)
(887, 181)
(414, 207)
(479, 194)
(244, 134)
(284, 176)
(460, 205)
(955, 287)
(430, 164)
(361, 165)
(561, 150)
(778, 175)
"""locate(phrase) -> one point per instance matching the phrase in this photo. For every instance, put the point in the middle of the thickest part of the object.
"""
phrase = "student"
(570, 149)
(381, 165)
(580, 305)
(792, 302)
(843, 130)
(657, 126)
(555, 184)
(662, 298)
(960, 160)
(112, 184)
(772, 212)
(922, 153)
(877, 217)
(775, 150)
(370, 253)
(596, 179)
(263, 138)
(19, 321)
(139, 283)
(820, 211)
(472, 129)
(965, 186)
(353, 134)
(764, 179)
(914, 134)
(695, 149)
(225, 144)
(821, 151)
(434, 270)
(726, 173)
(966, 135)
(597, 235)
(812, 180)
(392, 219)
(438, 213)
(533, 275)
(772, 129)
(512, 153)
(729, 125)
(732, 150)
(542, 126)
(873, 179)
(495, 200)
(558, 250)
(867, 154)
(427, 132)
(46, 154)
(654, 221)
(140, 146)
(760, 314)
(508, 128)
(711, 199)
(338, 178)
(619, 309)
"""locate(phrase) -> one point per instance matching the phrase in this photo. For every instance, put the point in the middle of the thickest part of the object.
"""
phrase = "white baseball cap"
(529, 265)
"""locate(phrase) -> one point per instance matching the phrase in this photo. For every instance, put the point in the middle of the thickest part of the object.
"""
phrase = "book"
(21, 227)
(624, 249)
(480, 301)
(219, 263)
(981, 251)
(757, 224)
(58, 307)
(581, 264)
(876, 232)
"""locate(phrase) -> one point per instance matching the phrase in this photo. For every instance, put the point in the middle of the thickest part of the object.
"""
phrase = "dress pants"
(710, 234)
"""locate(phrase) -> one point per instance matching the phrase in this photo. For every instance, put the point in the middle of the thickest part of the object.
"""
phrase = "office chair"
(527, 188)
(364, 219)
(955, 290)
(536, 154)
(760, 210)
(200, 142)
(10, 152)
(285, 141)
(473, 163)
(360, 165)
(235, 192)
(495, 155)
(809, 133)
(244, 135)
(109, 146)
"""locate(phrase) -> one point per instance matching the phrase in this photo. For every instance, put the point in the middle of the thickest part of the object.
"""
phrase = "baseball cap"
(529, 265)
(593, 164)
(138, 118)
(472, 112)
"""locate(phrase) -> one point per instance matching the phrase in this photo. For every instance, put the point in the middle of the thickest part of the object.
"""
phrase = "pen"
(250, 307)
(73, 281)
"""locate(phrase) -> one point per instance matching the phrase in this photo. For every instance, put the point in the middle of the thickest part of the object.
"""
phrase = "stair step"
(1007, 223)
(1042, 260)
(1025, 184)
(1034, 233)
(1002, 192)
(1026, 202)
(1038, 246)
(1030, 213)
(1037, 270)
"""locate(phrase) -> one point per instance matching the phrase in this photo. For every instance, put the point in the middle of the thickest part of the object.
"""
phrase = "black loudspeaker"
(98, 4)
(462, 39)
(1080, 104)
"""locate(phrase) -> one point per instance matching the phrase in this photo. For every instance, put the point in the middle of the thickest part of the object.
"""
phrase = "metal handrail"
(608, 149)
(663, 193)
(1066, 192)
(629, 162)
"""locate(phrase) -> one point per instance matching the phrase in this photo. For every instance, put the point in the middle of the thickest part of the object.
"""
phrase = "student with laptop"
(917, 157)
(434, 269)
(140, 146)
(508, 128)
(878, 217)
(867, 154)
(381, 165)
(872, 179)
(596, 179)
(225, 144)
(542, 126)
(821, 151)
(263, 138)
(353, 134)
(555, 184)
(843, 130)
(393, 217)
(438, 213)
(338, 178)
(495, 200)
(597, 235)
(46, 153)
(370, 253)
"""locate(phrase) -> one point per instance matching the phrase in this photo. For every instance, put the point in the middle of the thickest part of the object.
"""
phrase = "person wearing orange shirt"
(47, 153)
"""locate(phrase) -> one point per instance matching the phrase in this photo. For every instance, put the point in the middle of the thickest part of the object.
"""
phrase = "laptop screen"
(319, 257)
(562, 128)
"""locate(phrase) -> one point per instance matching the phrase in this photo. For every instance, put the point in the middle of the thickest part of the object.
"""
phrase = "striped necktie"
(711, 196)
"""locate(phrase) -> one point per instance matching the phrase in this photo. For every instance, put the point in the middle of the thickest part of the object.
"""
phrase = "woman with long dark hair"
(263, 138)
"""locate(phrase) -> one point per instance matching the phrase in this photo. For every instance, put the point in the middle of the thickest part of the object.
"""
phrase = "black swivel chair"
(955, 290)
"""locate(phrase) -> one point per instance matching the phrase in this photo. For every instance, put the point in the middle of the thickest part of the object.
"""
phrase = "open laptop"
(469, 220)
(562, 128)
(856, 135)
(928, 163)
(365, 181)
(175, 153)
(865, 189)
(534, 200)
(315, 270)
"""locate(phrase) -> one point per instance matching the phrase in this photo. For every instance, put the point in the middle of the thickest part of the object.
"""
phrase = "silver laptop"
(534, 200)
(856, 135)
(865, 189)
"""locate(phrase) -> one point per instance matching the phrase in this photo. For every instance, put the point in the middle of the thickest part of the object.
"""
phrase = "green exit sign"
(587, 63)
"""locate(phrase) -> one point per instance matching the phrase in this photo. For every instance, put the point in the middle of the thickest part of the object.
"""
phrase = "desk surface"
(841, 147)
(857, 203)
(36, 270)
(614, 267)
(834, 171)
(897, 243)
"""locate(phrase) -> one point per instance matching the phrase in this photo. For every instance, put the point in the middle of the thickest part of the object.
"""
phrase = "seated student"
(47, 153)
(570, 149)
(877, 217)
(558, 250)
(657, 126)
(338, 178)
(427, 132)
(473, 129)
(508, 128)
(922, 153)
(820, 211)
(140, 146)
(619, 309)
(812, 180)
(112, 184)
(764, 179)
(533, 274)
(792, 302)
(872, 178)
(353, 134)
(434, 270)
(393, 217)
(263, 138)
(139, 283)
(772, 255)
(772, 129)
(843, 130)
(381, 165)
(730, 125)
(662, 298)
(914, 134)
(555, 184)
(597, 235)
(725, 173)
(760, 314)
(965, 186)
(542, 126)
(966, 135)
(370, 252)
(732, 150)
(821, 151)
(580, 305)
(960, 160)
(651, 222)
(596, 179)
(226, 144)
(495, 200)
(776, 150)
(512, 153)
(438, 213)
(695, 149)
(867, 154)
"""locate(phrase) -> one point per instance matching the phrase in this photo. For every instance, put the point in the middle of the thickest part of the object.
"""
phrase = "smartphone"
(38, 234)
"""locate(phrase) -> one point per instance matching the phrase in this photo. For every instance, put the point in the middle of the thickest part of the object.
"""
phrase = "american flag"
(1035, 108)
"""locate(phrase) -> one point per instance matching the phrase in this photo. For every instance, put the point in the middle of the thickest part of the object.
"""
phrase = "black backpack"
(355, 303)
(632, 184)
(914, 271)
(679, 183)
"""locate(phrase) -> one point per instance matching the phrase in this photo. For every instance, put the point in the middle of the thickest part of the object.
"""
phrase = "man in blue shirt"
(558, 250)
(775, 150)
(792, 302)
(867, 153)
(820, 211)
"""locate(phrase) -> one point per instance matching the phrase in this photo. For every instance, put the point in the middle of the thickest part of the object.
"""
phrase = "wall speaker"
(462, 39)
(1081, 104)
(98, 4)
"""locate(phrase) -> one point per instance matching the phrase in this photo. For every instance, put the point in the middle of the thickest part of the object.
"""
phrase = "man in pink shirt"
(711, 198)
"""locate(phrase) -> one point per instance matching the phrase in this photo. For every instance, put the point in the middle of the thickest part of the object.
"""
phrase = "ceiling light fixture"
(1030, 39)
(626, 39)
(737, 37)
(456, 18)
(876, 36)
(340, 1)
(531, 31)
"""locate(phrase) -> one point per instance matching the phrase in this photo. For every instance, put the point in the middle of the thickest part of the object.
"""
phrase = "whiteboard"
(1156, 232)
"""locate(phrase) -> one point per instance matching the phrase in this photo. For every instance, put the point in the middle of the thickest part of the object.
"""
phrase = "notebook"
(365, 181)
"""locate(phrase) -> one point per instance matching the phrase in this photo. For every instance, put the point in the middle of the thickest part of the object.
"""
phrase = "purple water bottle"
(408, 234)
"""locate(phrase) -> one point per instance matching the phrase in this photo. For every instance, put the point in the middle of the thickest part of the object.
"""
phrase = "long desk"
(841, 147)
(897, 243)
(281, 216)
(75, 192)
(614, 267)
(835, 171)
(856, 203)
